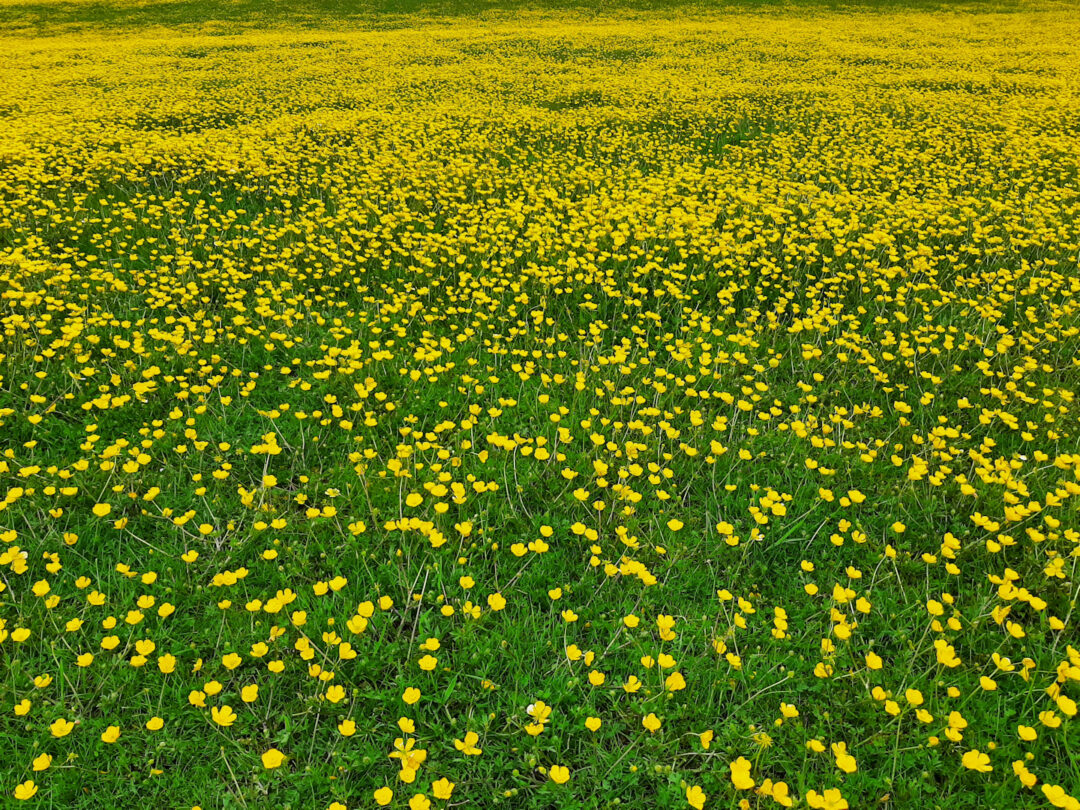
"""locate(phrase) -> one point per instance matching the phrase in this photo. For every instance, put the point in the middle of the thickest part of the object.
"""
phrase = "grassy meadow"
(478, 405)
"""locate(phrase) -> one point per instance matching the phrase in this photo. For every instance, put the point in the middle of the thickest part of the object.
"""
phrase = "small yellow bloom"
(468, 745)
(442, 789)
(225, 716)
(674, 682)
(740, 774)
(844, 760)
(231, 661)
(976, 760)
(27, 790)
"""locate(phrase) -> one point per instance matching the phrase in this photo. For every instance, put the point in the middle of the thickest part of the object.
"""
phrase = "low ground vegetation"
(656, 408)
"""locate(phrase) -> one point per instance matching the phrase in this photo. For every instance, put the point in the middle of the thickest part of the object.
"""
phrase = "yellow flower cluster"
(464, 410)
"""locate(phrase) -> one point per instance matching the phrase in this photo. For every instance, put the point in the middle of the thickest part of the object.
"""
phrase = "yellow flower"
(61, 727)
(468, 745)
(411, 695)
(155, 724)
(102, 509)
(976, 760)
(740, 774)
(1056, 795)
(1026, 777)
(110, 735)
(674, 682)
(844, 760)
(695, 797)
(231, 661)
(347, 727)
(225, 716)
(946, 654)
(593, 723)
(830, 800)
(1049, 719)
(559, 774)
(42, 762)
(651, 722)
(411, 758)
(419, 802)
(780, 794)
(250, 693)
(442, 789)
(272, 759)
(26, 791)
(383, 796)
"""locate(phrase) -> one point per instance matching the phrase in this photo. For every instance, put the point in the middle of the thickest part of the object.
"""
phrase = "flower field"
(645, 408)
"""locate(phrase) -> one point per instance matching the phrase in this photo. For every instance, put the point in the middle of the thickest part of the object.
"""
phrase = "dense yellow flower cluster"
(471, 411)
